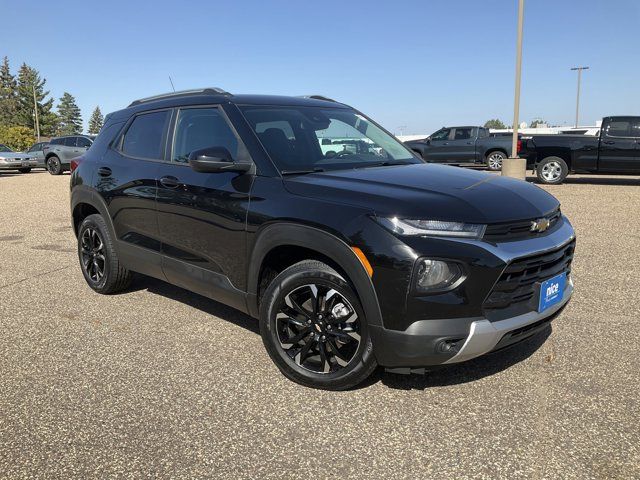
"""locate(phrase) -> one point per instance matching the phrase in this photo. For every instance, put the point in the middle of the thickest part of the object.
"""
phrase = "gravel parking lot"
(159, 382)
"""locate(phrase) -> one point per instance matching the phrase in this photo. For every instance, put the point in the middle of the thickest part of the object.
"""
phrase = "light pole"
(579, 69)
(514, 166)
(35, 109)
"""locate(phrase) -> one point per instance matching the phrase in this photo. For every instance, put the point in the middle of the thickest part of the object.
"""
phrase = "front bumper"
(11, 165)
(449, 339)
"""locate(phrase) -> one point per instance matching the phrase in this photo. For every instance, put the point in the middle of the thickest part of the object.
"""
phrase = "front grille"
(521, 229)
(519, 281)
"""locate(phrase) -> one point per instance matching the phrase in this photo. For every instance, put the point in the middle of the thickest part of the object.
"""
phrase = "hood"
(429, 191)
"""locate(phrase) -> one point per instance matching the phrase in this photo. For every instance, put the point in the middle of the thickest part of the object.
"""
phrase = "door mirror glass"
(215, 159)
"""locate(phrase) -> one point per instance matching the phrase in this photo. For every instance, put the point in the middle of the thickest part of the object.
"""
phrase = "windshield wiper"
(387, 163)
(301, 172)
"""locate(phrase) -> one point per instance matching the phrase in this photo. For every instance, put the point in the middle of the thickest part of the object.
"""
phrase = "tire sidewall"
(359, 367)
(95, 222)
(563, 167)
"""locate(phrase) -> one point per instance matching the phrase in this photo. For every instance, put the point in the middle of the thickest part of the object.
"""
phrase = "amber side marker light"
(363, 260)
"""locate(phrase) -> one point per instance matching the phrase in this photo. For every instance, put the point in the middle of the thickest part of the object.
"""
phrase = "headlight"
(432, 227)
(431, 274)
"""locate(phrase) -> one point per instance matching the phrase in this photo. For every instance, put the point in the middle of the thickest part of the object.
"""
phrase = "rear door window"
(462, 134)
(145, 136)
(618, 128)
(70, 141)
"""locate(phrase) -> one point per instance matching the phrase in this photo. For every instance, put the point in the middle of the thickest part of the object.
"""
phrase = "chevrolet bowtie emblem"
(540, 225)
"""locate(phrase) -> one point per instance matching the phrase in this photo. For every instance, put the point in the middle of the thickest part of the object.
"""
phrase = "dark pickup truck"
(615, 151)
(460, 145)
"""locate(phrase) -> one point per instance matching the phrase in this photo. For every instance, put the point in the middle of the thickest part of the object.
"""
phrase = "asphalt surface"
(158, 382)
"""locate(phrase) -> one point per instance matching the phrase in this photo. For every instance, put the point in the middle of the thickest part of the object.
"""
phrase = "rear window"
(144, 137)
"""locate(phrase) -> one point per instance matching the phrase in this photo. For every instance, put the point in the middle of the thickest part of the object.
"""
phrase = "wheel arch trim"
(283, 233)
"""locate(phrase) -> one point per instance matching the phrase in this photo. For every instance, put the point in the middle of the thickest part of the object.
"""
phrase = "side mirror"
(214, 160)
(427, 140)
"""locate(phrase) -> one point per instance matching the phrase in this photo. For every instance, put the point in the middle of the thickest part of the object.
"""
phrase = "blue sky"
(418, 64)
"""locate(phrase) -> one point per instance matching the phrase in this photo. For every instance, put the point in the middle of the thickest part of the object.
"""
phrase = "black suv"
(350, 258)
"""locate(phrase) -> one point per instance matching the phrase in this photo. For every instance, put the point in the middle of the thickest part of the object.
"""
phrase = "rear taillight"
(519, 147)
(75, 163)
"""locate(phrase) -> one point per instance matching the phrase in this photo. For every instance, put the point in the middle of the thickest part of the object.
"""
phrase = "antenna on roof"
(174, 88)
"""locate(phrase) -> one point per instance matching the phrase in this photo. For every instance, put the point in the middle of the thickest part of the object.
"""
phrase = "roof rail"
(320, 97)
(181, 93)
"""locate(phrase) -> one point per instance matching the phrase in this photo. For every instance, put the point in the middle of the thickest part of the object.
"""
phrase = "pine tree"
(95, 122)
(69, 115)
(28, 80)
(8, 99)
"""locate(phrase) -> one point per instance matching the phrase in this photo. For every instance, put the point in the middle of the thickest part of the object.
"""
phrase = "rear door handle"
(170, 182)
(608, 142)
(104, 171)
(446, 143)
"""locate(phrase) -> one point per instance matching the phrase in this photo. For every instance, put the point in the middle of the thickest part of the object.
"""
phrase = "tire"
(53, 165)
(332, 348)
(552, 170)
(97, 254)
(24, 170)
(494, 160)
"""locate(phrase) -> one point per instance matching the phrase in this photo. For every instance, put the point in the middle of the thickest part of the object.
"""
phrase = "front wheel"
(24, 170)
(314, 329)
(494, 160)
(54, 166)
(552, 170)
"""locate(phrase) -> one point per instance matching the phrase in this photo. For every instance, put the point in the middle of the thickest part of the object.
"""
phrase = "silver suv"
(60, 151)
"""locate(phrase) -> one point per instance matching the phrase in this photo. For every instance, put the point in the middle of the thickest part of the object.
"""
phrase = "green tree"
(69, 115)
(95, 122)
(494, 123)
(18, 138)
(8, 91)
(29, 80)
(536, 122)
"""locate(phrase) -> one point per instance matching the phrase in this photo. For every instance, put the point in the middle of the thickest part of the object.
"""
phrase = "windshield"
(4, 148)
(313, 138)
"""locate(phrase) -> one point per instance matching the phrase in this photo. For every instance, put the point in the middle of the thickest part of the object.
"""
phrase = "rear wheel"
(314, 328)
(98, 259)
(54, 166)
(494, 160)
(552, 170)
(24, 170)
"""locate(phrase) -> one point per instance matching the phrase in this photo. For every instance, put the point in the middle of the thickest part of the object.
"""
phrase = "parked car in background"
(36, 152)
(615, 151)
(460, 145)
(60, 151)
(349, 260)
(10, 160)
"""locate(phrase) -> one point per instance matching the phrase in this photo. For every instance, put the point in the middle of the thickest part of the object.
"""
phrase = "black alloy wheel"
(314, 329)
(54, 166)
(318, 328)
(92, 255)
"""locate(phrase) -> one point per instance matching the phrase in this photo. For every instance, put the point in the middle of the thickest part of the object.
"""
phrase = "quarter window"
(144, 136)
(199, 128)
(83, 142)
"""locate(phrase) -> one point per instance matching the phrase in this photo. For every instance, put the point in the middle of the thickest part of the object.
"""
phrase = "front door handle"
(104, 171)
(608, 142)
(170, 182)
(446, 143)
